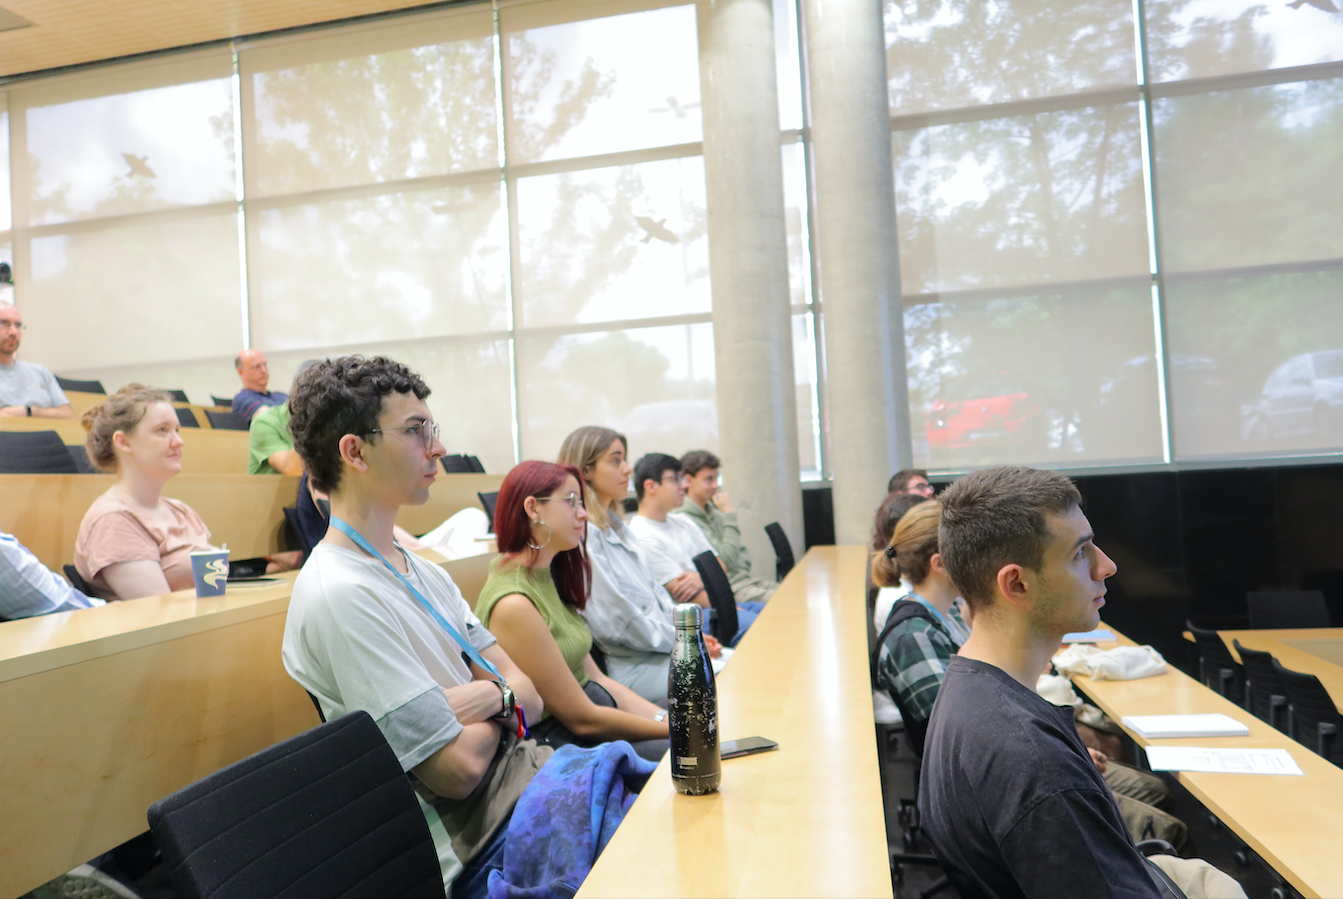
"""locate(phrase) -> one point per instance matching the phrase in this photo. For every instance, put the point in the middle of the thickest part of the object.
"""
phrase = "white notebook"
(1161, 727)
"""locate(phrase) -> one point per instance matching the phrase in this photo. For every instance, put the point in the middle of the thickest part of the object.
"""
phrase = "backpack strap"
(903, 610)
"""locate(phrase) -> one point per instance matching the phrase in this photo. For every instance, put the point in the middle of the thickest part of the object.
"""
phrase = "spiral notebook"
(1162, 727)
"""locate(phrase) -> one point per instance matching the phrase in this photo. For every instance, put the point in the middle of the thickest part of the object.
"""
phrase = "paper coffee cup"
(211, 572)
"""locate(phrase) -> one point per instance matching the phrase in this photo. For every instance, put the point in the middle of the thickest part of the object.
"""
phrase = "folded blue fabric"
(565, 818)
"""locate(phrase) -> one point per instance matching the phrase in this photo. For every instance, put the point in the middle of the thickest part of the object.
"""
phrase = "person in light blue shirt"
(28, 588)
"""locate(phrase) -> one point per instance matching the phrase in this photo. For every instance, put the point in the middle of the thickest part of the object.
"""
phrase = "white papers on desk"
(1222, 761)
(1165, 727)
(721, 662)
(1100, 635)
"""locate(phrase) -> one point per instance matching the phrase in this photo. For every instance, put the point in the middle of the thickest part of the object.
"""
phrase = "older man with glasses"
(27, 390)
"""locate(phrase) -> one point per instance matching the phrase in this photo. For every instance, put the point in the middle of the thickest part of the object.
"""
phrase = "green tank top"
(566, 625)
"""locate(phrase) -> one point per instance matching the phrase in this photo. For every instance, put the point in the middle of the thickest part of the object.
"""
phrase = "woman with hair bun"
(924, 629)
(133, 541)
(531, 603)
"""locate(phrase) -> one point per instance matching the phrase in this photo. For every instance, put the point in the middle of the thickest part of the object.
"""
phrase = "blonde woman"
(134, 541)
(628, 612)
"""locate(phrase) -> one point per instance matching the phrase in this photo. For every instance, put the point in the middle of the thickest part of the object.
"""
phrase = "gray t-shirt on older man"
(29, 384)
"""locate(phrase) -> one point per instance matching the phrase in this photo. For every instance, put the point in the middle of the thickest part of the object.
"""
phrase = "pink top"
(112, 532)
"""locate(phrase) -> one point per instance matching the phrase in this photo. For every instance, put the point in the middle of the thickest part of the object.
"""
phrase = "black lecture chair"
(186, 418)
(34, 452)
(488, 500)
(225, 421)
(81, 386)
(720, 596)
(177, 396)
(1287, 608)
(782, 550)
(72, 575)
(1313, 717)
(80, 455)
(326, 813)
(1216, 667)
(225, 401)
(476, 465)
(456, 464)
(1265, 696)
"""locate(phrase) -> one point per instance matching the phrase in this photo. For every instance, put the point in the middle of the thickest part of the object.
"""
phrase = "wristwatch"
(30, 411)
(660, 716)
(510, 701)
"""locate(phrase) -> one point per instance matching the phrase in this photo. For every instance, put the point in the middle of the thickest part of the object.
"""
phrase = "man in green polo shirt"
(713, 512)
(270, 446)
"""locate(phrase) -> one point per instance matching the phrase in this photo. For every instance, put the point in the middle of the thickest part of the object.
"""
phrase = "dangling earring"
(549, 535)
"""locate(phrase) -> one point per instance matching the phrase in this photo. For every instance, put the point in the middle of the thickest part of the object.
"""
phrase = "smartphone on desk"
(730, 749)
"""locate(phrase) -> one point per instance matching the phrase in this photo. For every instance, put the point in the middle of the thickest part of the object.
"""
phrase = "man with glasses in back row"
(27, 390)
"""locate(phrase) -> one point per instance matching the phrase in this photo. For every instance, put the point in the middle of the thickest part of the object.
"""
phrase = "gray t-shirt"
(357, 640)
(29, 384)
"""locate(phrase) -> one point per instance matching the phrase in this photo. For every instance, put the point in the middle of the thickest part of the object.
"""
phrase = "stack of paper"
(1222, 761)
(1164, 727)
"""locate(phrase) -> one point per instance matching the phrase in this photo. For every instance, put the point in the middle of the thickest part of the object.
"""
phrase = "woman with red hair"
(530, 603)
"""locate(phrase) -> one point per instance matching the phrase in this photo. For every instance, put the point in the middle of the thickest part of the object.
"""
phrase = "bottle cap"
(686, 614)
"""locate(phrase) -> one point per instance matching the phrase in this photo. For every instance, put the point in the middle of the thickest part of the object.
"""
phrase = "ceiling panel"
(70, 32)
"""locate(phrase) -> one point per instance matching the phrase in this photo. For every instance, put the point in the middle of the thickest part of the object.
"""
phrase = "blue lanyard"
(452, 631)
(932, 608)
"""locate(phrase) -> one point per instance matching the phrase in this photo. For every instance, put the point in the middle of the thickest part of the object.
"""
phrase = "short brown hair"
(695, 461)
(997, 517)
(900, 480)
(891, 510)
(915, 544)
(121, 411)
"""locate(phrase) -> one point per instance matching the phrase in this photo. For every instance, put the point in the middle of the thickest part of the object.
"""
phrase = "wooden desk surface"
(805, 820)
(1294, 823)
(1312, 650)
(107, 710)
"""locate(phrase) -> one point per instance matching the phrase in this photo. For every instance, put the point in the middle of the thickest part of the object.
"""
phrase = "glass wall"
(1118, 236)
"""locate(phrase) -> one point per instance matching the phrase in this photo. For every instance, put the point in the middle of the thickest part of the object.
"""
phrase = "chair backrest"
(326, 813)
(79, 454)
(178, 396)
(222, 400)
(720, 594)
(783, 550)
(34, 452)
(1312, 706)
(226, 421)
(1264, 690)
(81, 386)
(77, 581)
(488, 500)
(476, 465)
(186, 418)
(1218, 669)
(1287, 608)
(456, 464)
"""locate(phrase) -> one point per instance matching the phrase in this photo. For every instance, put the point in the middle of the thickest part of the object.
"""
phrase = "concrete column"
(867, 397)
(748, 265)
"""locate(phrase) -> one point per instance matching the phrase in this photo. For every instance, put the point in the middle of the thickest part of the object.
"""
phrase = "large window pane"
(1064, 379)
(951, 53)
(1052, 196)
(400, 101)
(1201, 38)
(150, 292)
(804, 378)
(613, 244)
(601, 85)
(4, 165)
(387, 267)
(1257, 364)
(655, 385)
(1250, 177)
(134, 140)
(469, 380)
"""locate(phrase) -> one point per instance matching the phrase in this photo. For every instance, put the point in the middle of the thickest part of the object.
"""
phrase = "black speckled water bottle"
(692, 708)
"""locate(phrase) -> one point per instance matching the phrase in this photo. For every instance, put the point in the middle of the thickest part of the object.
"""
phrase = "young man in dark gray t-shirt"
(1010, 799)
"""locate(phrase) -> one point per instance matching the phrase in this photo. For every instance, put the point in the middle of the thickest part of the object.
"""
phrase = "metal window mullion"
(509, 188)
